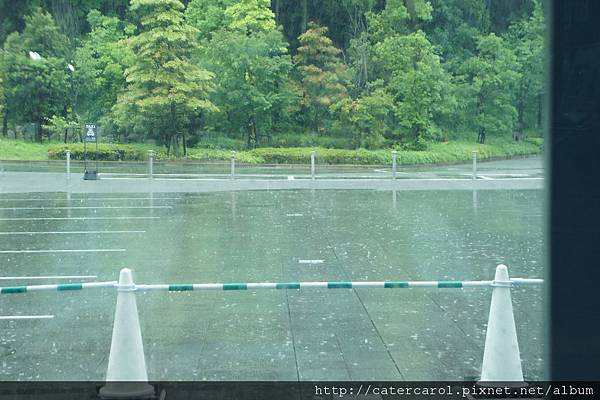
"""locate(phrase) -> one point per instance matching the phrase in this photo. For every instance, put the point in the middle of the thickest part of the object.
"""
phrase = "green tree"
(414, 76)
(36, 89)
(323, 75)
(488, 83)
(368, 119)
(253, 65)
(455, 26)
(207, 16)
(163, 85)
(526, 37)
(101, 62)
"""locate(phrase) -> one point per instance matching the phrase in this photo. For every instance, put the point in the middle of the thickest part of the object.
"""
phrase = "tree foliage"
(163, 85)
(36, 88)
(322, 75)
(379, 73)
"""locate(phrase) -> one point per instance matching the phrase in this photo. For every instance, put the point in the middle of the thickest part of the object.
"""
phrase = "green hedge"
(286, 140)
(437, 153)
(106, 152)
(223, 155)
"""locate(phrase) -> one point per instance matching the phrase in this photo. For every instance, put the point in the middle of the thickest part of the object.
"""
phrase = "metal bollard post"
(68, 165)
(312, 164)
(474, 164)
(150, 164)
(232, 175)
(394, 158)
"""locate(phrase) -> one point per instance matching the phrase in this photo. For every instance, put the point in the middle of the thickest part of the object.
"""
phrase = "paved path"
(506, 175)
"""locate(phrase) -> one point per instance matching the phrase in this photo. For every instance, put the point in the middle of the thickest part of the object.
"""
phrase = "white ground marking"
(485, 177)
(61, 218)
(310, 261)
(95, 198)
(25, 278)
(26, 316)
(294, 215)
(68, 232)
(80, 208)
(290, 177)
(62, 251)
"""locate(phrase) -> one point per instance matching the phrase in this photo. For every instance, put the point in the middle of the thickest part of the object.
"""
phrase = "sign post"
(90, 134)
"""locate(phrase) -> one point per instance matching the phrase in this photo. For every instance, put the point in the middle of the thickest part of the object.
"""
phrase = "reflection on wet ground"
(251, 236)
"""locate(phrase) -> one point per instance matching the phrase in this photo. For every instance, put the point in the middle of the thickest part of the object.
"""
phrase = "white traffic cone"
(501, 358)
(126, 376)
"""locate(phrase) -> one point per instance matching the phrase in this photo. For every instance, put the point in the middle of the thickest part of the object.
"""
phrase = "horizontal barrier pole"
(57, 287)
(182, 287)
(333, 285)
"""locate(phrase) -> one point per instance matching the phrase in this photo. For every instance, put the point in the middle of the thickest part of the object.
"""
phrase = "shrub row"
(283, 140)
(106, 152)
(437, 153)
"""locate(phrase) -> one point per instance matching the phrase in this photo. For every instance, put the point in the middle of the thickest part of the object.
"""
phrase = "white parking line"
(96, 198)
(80, 208)
(26, 316)
(62, 251)
(310, 261)
(69, 232)
(26, 278)
(71, 218)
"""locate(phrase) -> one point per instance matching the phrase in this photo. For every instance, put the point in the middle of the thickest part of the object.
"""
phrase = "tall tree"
(488, 84)
(417, 81)
(322, 73)
(163, 84)
(250, 56)
(526, 37)
(35, 71)
(101, 61)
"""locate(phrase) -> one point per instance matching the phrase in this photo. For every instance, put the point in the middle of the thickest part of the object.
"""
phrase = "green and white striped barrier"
(57, 287)
(335, 285)
(183, 287)
(126, 373)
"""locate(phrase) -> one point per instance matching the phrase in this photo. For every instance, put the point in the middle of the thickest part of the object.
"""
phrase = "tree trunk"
(410, 7)
(251, 143)
(174, 134)
(520, 122)
(38, 132)
(277, 12)
(184, 146)
(4, 126)
(304, 21)
(66, 133)
(175, 139)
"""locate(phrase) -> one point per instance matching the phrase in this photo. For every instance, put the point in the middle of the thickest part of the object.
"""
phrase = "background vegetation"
(258, 74)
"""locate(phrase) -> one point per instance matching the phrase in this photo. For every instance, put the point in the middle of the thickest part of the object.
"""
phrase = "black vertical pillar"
(574, 242)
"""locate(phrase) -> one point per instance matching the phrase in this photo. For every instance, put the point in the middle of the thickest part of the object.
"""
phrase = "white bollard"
(394, 160)
(126, 376)
(150, 164)
(68, 165)
(232, 174)
(501, 357)
(474, 164)
(312, 165)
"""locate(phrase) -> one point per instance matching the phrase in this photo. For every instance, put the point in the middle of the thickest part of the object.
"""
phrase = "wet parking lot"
(268, 236)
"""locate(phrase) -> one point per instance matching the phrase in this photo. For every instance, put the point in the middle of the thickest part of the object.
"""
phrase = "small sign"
(90, 133)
